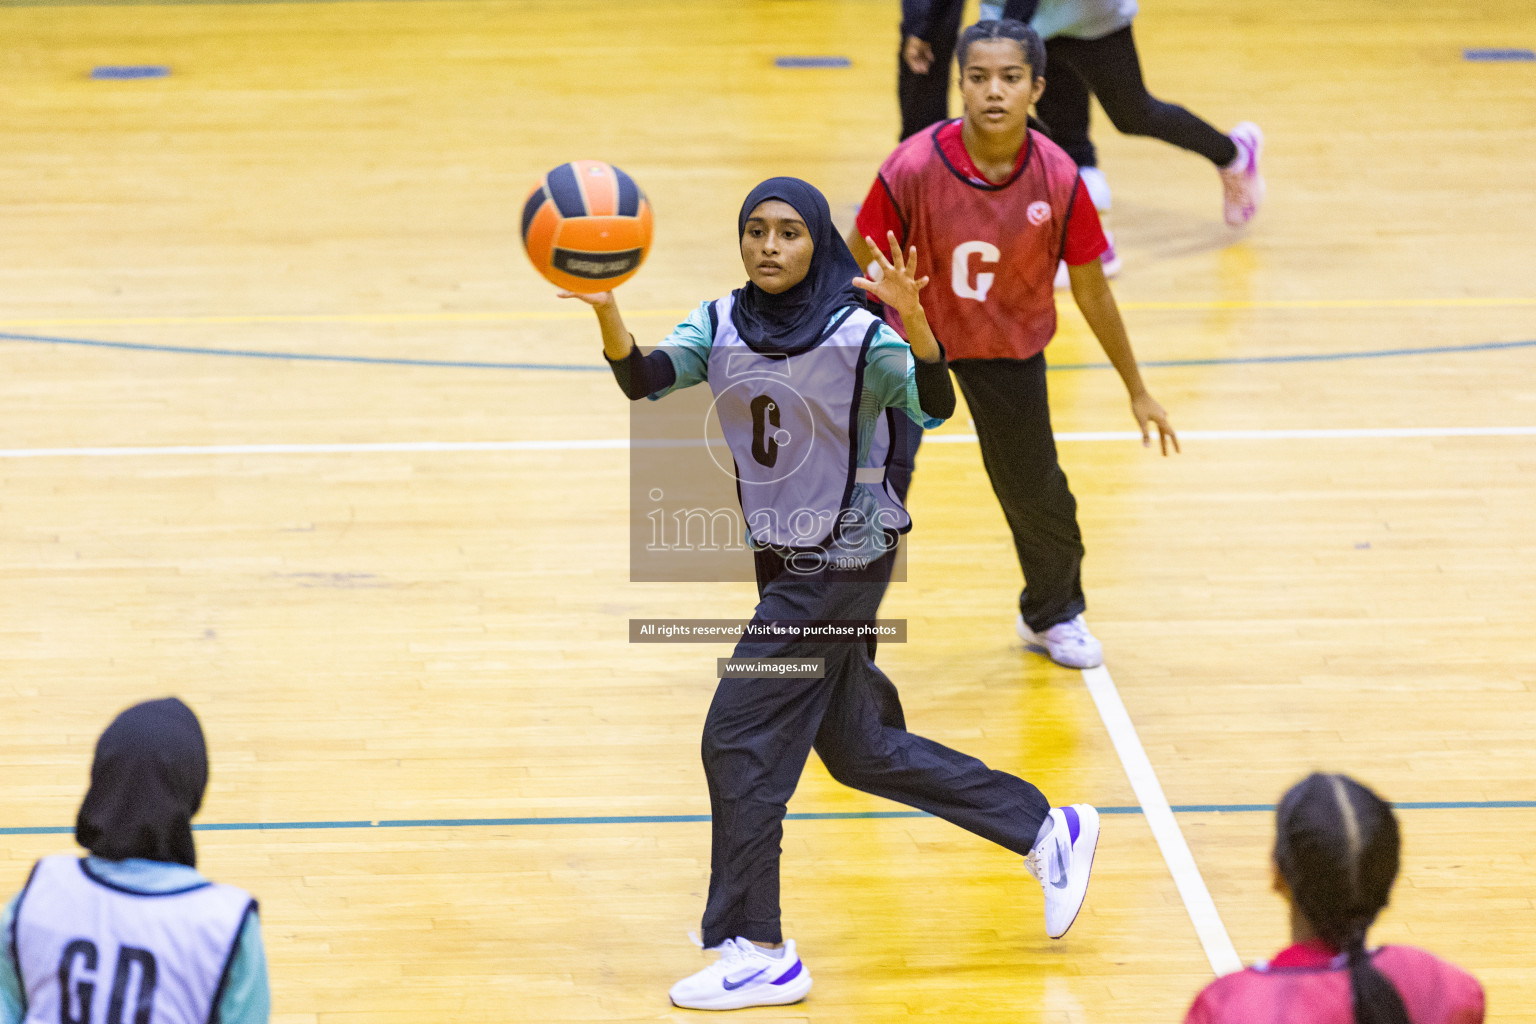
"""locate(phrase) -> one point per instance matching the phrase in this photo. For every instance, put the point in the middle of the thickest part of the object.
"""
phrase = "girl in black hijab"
(794, 319)
(796, 346)
(147, 782)
(186, 950)
(782, 313)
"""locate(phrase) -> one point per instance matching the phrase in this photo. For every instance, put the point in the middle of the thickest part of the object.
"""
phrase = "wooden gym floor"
(1336, 573)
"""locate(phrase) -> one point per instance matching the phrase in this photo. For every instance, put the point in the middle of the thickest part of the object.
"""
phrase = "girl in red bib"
(1336, 851)
(992, 206)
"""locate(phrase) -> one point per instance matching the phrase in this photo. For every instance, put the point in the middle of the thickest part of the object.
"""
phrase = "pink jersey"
(1308, 985)
(990, 249)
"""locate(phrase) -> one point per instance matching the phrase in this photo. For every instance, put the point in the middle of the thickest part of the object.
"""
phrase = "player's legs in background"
(1064, 110)
(1112, 69)
(1009, 405)
(924, 98)
(1064, 106)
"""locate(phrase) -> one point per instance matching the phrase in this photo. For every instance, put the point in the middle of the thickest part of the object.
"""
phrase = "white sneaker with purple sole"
(1062, 860)
(745, 975)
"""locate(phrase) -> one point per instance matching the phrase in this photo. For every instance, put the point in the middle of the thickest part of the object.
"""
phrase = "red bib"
(990, 250)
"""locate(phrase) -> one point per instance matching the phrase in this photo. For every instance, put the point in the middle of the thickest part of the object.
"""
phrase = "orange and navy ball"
(587, 226)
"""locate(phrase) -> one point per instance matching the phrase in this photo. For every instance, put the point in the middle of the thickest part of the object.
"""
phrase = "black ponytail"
(1337, 845)
(1005, 28)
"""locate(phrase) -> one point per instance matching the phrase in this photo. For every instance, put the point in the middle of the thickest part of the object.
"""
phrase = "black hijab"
(794, 320)
(147, 781)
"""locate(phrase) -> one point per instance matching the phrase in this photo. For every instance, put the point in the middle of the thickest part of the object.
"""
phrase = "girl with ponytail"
(1335, 859)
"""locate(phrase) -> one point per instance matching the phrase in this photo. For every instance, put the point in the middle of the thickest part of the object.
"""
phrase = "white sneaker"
(1068, 644)
(1242, 186)
(745, 975)
(1062, 860)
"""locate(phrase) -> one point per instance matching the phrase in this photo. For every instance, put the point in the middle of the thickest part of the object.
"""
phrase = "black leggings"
(1110, 69)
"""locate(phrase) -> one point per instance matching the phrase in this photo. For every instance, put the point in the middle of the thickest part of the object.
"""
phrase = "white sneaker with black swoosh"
(745, 975)
(1062, 861)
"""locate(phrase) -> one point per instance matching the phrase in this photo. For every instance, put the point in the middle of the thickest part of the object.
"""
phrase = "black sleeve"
(916, 18)
(935, 391)
(639, 376)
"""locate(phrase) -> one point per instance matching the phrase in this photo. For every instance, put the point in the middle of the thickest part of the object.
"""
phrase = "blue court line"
(124, 72)
(668, 819)
(812, 62)
(1499, 55)
(317, 357)
(313, 357)
(1315, 357)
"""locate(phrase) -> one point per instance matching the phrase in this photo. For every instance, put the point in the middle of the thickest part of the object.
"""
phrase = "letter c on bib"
(960, 270)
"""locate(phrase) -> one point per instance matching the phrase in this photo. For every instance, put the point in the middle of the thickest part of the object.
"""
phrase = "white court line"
(364, 448)
(1165, 827)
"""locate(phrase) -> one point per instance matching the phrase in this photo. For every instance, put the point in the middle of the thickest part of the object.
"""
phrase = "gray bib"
(792, 424)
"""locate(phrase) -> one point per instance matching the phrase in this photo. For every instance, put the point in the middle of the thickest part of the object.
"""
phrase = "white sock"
(1045, 829)
(777, 954)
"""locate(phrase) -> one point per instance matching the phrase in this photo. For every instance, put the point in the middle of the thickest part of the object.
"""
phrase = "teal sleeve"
(688, 347)
(890, 374)
(247, 998)
(13, 1004)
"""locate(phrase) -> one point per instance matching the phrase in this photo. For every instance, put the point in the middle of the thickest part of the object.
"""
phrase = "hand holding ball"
(587, 227)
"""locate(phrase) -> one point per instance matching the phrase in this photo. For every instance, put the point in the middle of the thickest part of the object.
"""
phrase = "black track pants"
(1008, 402)
(759, 731)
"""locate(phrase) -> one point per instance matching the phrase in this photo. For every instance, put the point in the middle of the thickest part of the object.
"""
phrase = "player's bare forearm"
(919, 335)
(1094, 298)
(1091, 292)
(618, 343)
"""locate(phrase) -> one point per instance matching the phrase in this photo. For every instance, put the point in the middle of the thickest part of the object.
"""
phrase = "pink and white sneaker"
(1242, 186)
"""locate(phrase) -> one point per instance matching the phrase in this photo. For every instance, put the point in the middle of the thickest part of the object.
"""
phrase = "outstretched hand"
(896, 286)
(590, 298)
(1147, 410)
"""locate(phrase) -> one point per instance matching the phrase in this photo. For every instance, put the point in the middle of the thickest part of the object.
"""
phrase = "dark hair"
(1005, 28)
(1336, 846)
